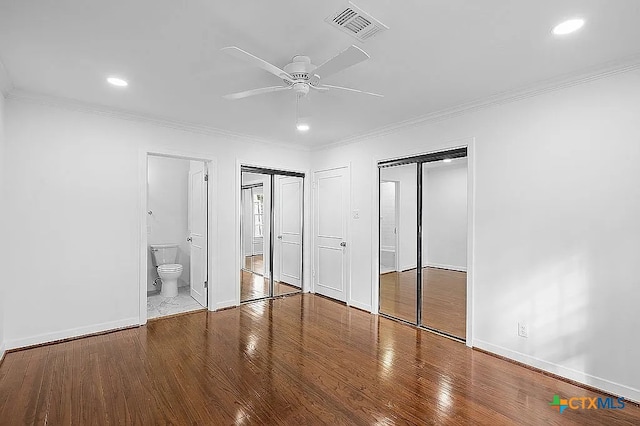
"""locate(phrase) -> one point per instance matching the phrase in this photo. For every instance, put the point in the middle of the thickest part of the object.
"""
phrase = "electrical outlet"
(523, 329)
(356, 214)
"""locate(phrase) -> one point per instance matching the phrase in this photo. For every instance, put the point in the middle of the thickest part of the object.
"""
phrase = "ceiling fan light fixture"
(569, 26)
(115, 81)
(302, 127)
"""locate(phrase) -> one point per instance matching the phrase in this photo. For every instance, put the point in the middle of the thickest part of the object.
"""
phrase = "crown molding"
(551, 85)
(85, 107)
(6, 84)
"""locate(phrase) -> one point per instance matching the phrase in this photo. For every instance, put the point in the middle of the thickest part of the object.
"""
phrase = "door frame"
(348, 299)
(212, 221)
(304, 288)
(469, 144)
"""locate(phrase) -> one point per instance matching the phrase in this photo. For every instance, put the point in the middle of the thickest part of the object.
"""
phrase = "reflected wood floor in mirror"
(299, 360)
(444, 304)
(254, 263)
(254, 286)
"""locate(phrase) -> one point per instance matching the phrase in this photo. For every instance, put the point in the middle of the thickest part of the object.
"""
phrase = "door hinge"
(206, 178)
(206, 284)
(314, 273)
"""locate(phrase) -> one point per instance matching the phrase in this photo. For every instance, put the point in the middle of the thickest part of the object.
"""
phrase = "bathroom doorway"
(270, 233)
(177, 249)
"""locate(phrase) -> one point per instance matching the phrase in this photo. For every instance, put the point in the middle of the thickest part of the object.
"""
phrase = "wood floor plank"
(297, 360)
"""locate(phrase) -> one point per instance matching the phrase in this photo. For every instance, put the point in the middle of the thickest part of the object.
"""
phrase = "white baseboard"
(70, 333)
(449, 267)
(3, 349)
(360, 305)
(226, 304)
(629, 393)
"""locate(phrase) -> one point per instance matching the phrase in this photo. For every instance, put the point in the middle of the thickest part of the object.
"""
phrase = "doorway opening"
(271, 229)
(177, 235)
(423, 225)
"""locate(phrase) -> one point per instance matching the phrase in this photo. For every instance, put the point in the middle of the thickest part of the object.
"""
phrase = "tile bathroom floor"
(158, 306)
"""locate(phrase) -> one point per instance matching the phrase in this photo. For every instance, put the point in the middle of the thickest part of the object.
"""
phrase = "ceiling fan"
(301, 75)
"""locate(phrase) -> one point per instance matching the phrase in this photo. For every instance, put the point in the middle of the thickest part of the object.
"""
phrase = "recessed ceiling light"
(117, 82)
(447, 160)
(568, 26)
(302, 127)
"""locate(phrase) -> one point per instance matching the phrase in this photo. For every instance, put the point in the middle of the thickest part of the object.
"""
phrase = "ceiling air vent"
(356, 22)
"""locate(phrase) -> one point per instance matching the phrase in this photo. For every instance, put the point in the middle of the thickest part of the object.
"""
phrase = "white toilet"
(169, 271)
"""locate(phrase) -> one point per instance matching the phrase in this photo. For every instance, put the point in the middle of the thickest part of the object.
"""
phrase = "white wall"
(74, 215)
(167, 198)
(444, 208)
(2, 220)
(557, 234)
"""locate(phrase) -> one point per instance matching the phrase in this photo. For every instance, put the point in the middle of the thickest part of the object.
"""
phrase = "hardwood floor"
(444, 303)
(298, 360)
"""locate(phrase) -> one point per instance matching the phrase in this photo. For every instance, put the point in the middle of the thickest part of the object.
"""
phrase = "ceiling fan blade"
(254, 92)
(238, 53)
(343, 60)
(319, 89)
(352, 90)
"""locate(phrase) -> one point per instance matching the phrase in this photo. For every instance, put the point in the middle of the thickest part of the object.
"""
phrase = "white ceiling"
(437, 54)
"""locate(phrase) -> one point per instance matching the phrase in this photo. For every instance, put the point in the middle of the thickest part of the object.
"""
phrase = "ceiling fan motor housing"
(300, 69)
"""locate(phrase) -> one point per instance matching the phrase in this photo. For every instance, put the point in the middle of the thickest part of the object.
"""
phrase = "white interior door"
(289, 237)
(198, 230)
(331, 213)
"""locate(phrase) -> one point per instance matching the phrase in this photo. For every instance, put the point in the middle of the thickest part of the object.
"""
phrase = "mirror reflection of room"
(254, 259)
(271, 234)
(444, 246)
(443, 299)
(255, 235)
(287, 257)
(398, 241)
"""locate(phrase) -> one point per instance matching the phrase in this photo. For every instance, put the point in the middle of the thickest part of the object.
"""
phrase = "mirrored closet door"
(271, 233)
(398, 240)
(423, 241)
(255, 235)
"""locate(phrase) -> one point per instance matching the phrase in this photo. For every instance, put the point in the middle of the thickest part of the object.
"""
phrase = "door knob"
(189, 239)
(279, 237)
(343, 244)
